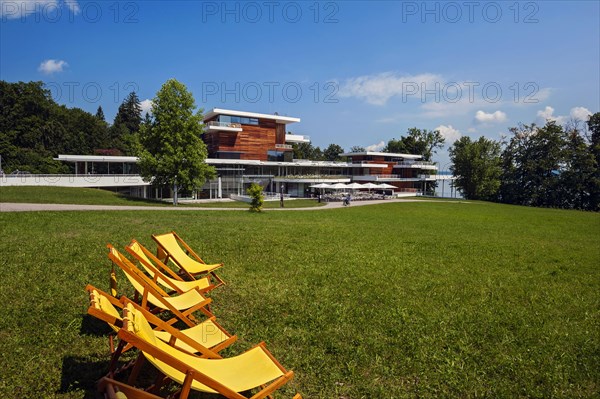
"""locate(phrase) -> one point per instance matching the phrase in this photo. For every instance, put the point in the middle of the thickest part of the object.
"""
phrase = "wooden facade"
(253, 143)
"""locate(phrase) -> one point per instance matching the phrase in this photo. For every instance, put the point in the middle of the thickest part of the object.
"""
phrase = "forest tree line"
(547, 166)
(34, 129)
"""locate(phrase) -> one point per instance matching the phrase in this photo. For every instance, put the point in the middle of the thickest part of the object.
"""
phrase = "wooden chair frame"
(109, 387)
(162, 270)
(158, 325)
(150, 287)
(194, 374)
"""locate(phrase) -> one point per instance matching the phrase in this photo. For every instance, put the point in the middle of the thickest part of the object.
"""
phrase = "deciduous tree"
(173, 153)
(476, 166)
(332, 152)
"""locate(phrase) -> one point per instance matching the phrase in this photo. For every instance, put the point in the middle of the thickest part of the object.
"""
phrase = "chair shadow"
(79, 373)
(92, 326)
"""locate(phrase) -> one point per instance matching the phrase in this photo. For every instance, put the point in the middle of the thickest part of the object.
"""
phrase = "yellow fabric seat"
(252, 369)
(182, 306)
(208, 334)
(152, 268)
(170, 248)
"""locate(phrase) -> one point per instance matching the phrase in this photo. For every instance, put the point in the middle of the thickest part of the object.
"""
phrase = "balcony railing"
(415, 164)
(224, 124)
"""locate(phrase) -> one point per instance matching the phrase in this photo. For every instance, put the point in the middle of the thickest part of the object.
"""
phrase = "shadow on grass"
(80, 373)
(92, 326)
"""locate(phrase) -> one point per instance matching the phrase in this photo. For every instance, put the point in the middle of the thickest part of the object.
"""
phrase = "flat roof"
(381, 154)
(277, 118)
(96, 158)
(219, 161)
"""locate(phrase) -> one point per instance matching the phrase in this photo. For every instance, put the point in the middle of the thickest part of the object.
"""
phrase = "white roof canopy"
(277, 118)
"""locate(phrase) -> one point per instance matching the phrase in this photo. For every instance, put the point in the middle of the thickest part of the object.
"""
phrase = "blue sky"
(356, 73)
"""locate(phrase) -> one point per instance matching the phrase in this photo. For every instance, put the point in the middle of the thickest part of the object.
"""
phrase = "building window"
(237, 119)
(276, 156)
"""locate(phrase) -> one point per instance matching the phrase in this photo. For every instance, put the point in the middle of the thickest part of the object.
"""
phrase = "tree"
(34, 129)
(126, 127)
(357, 148)
(173, 153)
(255, 191)
(532, 163)
(130, 113)
(476, 166)
(578, 181)
(332, 152)
(417, 141)
(100, 114)
(593, 124)
(307, 151)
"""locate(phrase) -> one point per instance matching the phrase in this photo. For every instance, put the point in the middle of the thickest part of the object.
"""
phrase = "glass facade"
(237, 119)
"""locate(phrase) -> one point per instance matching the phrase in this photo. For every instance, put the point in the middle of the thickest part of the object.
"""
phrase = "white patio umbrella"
(387, 186)
(321, 186)
(370, 186)
(354, 186)
(338, 186)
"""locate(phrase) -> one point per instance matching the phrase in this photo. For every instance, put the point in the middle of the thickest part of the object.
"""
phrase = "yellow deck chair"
(181, 306)
(253, 369)
(190, 264)
(205, 339)
(170, 280)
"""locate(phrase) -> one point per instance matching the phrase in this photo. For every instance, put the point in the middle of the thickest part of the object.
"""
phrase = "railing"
(224, 124)
(415, 164)
(285, 146)
(297, 136)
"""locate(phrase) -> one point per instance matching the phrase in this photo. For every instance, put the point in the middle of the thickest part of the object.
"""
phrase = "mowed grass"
(92, 196)
(399, 300)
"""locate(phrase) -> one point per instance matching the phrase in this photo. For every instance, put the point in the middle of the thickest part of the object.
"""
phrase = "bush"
(255, 192)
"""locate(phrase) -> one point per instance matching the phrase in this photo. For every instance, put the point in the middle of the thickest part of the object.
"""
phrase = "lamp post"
(281, 196)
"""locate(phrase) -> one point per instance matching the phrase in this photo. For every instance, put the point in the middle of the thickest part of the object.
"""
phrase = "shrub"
(255, 192)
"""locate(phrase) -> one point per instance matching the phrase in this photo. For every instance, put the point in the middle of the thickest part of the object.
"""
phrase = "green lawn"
(400, 300)
(92, 196)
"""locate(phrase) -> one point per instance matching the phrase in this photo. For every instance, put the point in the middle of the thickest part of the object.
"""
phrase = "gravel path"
(25, 207)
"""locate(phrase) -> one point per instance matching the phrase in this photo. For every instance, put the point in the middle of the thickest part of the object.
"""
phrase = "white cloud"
(580, 113)
(376, 147)
(493, 117)
(449, 133)
(13, 9)
(52, 66)
(472, 130)
(146, 107)
(378, 89)
(547, 114)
